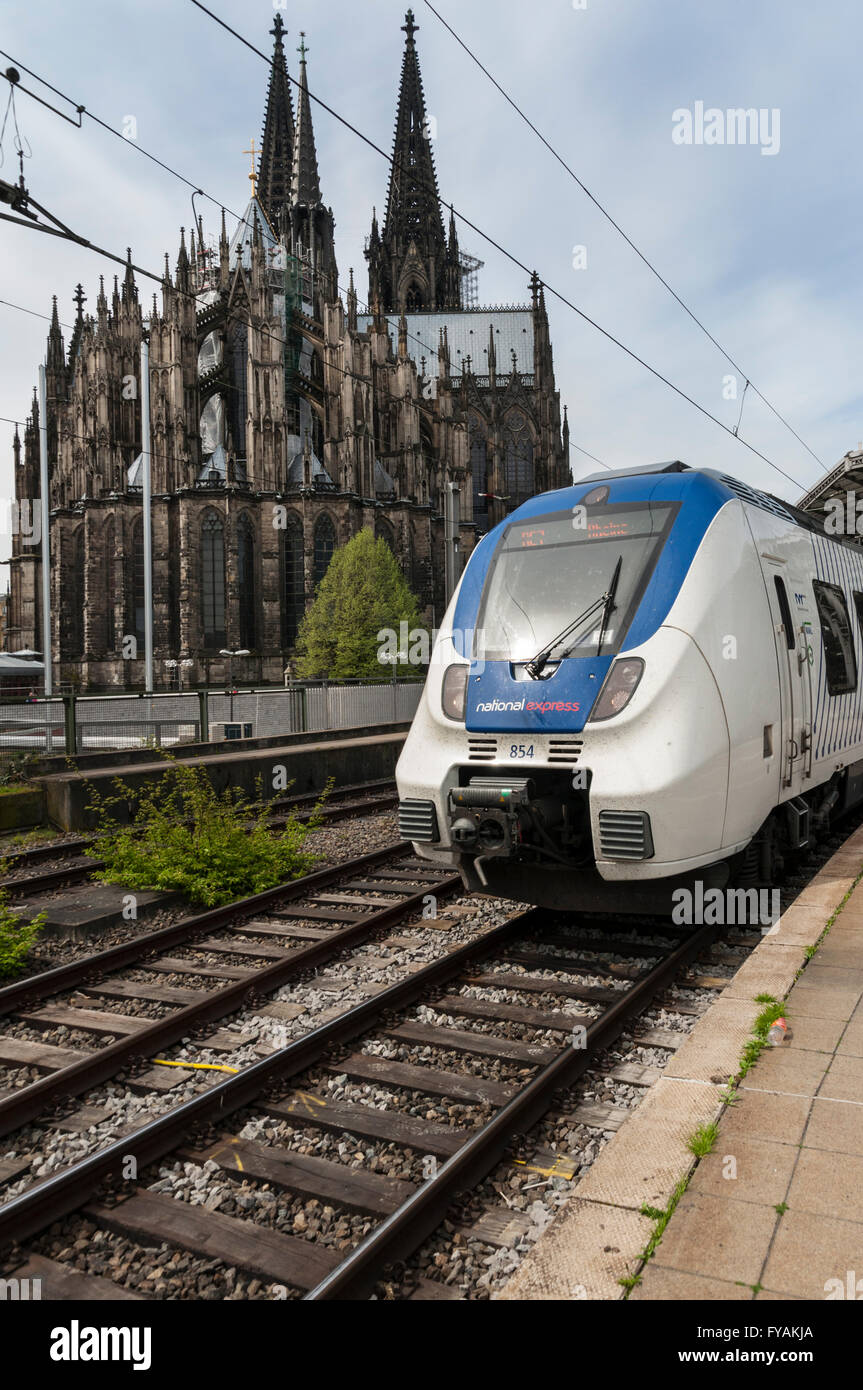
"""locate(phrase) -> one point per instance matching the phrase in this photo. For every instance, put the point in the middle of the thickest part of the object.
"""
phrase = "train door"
(793, 628)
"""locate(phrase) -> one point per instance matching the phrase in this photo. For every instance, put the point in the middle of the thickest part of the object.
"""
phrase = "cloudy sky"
(765, 248)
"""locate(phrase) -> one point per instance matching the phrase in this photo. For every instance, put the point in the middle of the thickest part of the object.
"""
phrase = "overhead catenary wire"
(238, 217)
(136, 145)
(617, 227)
(469, 223)
(515, 260)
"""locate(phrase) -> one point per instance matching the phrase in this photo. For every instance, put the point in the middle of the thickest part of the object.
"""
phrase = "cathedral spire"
(277, 148)
(410, 266)
(130, 289)
(79, 299)
(352, 303)
(305, 183)
(312, 225)
(183, 279)
(56, 358)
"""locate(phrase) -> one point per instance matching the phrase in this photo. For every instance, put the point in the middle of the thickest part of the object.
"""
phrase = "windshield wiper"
(537, 664)
(609, 603)
(605, 604)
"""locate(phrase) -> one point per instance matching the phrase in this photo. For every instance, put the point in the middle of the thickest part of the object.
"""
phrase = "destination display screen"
(619, 524)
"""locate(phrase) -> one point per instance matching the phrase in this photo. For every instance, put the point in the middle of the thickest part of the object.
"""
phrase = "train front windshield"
(550, 569)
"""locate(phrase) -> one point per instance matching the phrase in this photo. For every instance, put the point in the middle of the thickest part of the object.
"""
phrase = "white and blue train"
(649, 679)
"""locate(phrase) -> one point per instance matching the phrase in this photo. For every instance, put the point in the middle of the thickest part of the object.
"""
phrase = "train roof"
(766, 501)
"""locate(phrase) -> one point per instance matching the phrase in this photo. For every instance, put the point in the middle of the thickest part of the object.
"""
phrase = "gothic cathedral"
(284, 419)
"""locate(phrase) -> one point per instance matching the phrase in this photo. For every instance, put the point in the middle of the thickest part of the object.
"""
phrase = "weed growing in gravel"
(17, 937)
(184, 836)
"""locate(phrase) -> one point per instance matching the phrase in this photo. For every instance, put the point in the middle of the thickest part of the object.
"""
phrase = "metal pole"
(45, 506)
(148, 520)
(452, 519)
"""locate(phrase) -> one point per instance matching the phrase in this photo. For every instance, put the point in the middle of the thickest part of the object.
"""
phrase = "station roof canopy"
(846, 477)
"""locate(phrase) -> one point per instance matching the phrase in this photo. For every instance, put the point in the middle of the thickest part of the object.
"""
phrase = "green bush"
(213, 847)
(17, 938)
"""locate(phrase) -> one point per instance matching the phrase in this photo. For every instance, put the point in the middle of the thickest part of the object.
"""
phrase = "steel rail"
(57, 1196)
(401, 1233)
(280, 811)
(72, 973)
(22, 1106)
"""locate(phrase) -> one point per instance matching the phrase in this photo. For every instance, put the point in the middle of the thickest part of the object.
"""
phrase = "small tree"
(362, 593)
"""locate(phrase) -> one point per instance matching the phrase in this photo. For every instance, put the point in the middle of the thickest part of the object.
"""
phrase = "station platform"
(775, 1210)
(305, 762)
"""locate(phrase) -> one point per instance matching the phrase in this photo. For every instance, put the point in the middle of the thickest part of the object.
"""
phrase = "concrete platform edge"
(647, 1158)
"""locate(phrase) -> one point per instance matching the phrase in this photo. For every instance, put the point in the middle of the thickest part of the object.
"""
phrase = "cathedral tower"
(277, 148)
(412, 265)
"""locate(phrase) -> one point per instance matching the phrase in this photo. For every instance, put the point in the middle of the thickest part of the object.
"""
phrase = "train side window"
(785, 611)
(839, 656)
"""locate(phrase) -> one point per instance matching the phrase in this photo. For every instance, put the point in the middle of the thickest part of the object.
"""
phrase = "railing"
(75, 724)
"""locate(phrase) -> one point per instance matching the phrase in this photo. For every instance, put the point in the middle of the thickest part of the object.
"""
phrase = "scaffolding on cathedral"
(470, 266)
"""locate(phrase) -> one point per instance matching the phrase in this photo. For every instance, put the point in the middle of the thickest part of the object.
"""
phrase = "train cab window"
(858, 604)
(785, 610)
(839, 656)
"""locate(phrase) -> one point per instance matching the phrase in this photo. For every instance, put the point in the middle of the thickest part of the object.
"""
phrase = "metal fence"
(89, 723)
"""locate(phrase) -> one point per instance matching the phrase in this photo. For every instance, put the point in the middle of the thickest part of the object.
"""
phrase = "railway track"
(361, 800)
(265, 941)
(379, 1120)
(585, 988)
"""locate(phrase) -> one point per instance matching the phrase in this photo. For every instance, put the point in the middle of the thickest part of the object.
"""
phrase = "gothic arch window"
(517, 459)
(317, 435)
(414, 567)
(413, 299)
(213, 580)
(478, 442)
(316, 369)
(324, 545)
(385, 532)
(293, 580)
(110, 636)
(238, 404)
(292, 413)
(73, 626)
(246, 581)
(135, 582)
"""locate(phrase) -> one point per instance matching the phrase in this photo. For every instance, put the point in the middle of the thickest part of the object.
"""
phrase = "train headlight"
(454, 691)
(619, 688)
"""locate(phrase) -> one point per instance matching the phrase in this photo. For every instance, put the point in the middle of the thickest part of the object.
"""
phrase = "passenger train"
(650, 679)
